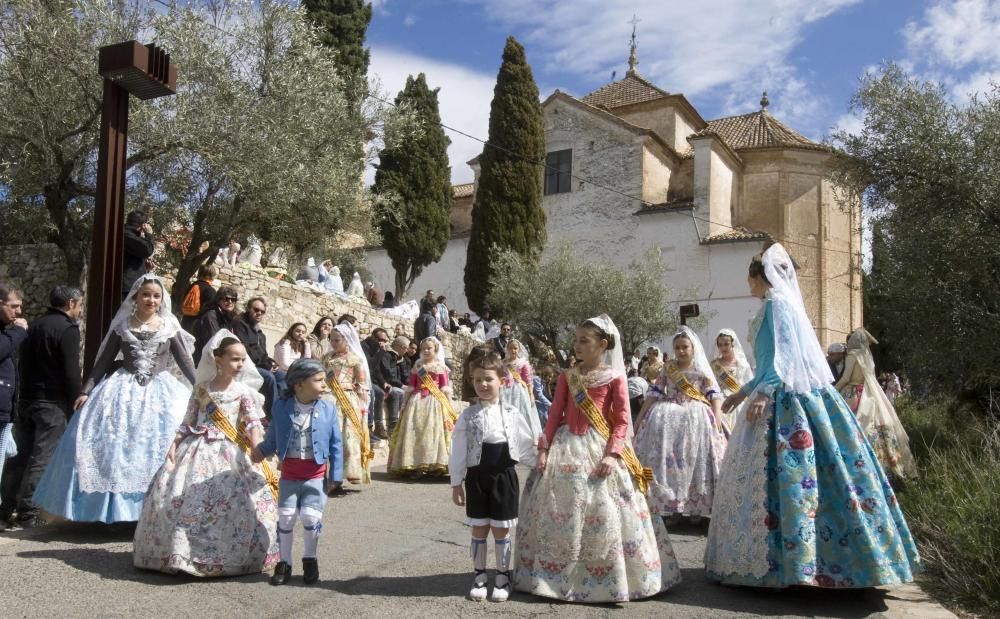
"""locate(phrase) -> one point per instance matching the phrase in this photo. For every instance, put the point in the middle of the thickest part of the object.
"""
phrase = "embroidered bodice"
(670, 391)
(438, 374)
(144, 355)
(611, 398)
(236, 402)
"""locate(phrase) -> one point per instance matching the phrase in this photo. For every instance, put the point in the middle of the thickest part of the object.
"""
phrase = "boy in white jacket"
(490, 437)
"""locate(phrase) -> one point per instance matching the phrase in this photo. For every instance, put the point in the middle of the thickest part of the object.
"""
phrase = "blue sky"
(808, 54)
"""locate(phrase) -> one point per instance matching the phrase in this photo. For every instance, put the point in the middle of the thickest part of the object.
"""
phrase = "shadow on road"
(382, 477)
(440, 585)
(78, 533)
(697, 590)
(117, 565)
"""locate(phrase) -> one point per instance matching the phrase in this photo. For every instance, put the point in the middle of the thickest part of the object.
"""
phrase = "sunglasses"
(231, 299)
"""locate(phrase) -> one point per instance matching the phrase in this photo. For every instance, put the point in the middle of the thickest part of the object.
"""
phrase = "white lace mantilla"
(737, 537)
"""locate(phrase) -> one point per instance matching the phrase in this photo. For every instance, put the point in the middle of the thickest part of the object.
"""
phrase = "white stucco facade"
(707, 202)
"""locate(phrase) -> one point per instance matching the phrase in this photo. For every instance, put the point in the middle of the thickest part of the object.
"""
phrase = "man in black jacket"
(219, 316)
(13, 331)
(373, 345)
(138, 249)
(247, 329)
(394, 370)
(426, 324)
(50, 384)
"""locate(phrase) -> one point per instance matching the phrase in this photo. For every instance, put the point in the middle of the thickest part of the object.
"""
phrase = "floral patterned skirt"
(878, 419)
(421, 442)
(828, 515)
(354, 470)
(584, 538)
(210, 514)
(680, 443)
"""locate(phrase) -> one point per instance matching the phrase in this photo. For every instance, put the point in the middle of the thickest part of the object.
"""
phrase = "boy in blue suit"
(305, 434)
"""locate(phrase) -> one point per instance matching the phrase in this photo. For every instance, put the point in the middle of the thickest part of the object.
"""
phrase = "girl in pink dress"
(584, 533)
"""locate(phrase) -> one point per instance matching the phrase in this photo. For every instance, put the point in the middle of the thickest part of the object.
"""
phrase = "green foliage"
(548, 298)
(415, 178)
(929, 172)
(954, 507)
(342, 26)
(507, 212)
(252, 142)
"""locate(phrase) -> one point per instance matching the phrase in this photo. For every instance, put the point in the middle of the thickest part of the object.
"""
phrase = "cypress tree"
(507, 211)
(416, 175)
(342, 25)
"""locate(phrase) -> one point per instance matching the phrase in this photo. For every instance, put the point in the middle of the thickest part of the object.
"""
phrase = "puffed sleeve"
(557, 413)
(617, 416)
(191, 414)
(457, 461)
(250, 412)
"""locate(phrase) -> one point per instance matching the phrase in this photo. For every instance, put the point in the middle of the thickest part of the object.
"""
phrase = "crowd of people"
(215, 448)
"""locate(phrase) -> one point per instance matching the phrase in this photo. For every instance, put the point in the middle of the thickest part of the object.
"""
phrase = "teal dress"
(802, 497)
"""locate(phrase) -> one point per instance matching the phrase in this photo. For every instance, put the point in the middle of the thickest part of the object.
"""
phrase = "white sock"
(312, 524)
(286, 529)
(502, 547)
(477, 549)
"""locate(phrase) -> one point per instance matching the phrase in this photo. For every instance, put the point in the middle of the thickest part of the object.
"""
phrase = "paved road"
(393, 549)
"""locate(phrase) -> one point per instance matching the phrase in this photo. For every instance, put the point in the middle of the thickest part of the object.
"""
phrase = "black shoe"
(282, 573)
(30, 521)
(310, 571)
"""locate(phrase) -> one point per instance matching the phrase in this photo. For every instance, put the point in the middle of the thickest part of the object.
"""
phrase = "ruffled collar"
(598, 377)
(434, 367)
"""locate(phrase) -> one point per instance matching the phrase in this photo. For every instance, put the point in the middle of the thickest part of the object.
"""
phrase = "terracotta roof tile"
(756, 130)
(632, 89)
(462, 191)
(737, 234)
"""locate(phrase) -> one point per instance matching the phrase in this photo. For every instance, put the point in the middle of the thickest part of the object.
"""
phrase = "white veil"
(798, 357)
(741, 356)
(169, 325)
(249, 375)
(613, 357)
(438, 357)
(698, 359)
(522, 354)
(356, 288)
(354, 345)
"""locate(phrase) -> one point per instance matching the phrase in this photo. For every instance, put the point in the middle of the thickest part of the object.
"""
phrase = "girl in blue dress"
(801, 498)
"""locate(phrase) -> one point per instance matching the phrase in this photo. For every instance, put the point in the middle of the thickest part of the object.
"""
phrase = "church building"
(706, 193)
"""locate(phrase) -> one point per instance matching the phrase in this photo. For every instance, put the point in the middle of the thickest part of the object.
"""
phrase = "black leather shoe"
(282, 573)
(310, 571)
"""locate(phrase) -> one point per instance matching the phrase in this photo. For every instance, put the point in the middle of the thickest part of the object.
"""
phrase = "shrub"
(954, 507)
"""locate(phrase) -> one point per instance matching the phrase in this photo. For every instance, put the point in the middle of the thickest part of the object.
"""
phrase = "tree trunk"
(71, 238)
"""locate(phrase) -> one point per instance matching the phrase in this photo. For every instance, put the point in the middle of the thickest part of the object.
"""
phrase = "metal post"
(104, 283)
(144, 71)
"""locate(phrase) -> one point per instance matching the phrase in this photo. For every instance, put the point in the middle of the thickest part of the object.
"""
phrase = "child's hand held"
(458, 495)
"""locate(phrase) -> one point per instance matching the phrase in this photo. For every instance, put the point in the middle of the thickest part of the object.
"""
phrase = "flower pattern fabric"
(211, 513)
(677, 439)
(351, 372)
(584, 538)
(421, 442)
(803, 499)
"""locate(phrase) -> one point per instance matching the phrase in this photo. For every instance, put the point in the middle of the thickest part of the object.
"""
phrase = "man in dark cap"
(138, 249)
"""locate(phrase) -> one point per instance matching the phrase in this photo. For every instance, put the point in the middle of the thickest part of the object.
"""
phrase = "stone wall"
(34, 270)
(288, 304)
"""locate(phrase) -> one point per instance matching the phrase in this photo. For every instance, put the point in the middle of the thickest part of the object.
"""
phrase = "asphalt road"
(393, 549)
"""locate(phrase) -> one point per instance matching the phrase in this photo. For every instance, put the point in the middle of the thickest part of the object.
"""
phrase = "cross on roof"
(633, 60)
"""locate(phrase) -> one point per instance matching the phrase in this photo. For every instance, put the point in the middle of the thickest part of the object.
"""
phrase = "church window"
(558, 171)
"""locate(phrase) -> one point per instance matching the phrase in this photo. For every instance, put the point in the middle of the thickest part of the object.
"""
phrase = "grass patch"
(954, 507)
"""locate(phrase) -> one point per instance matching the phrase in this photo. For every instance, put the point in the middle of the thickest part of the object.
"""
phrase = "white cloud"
(850, 122)
(689, 47)
(409, 20)
(730, 50)
(955, 43)
(956, 33)
(464, 100)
